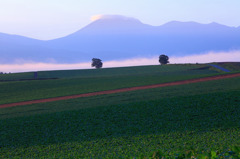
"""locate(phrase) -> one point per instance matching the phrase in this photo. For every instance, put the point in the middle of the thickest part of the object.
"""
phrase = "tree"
(163, 59)
(97, 63)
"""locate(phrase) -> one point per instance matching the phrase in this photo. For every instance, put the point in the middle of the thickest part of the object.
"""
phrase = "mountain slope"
(19, 49)
(122, 38)
(111, 39)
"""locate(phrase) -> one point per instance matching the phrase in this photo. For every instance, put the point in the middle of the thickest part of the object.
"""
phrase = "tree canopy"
(163, 59)
(97, 63)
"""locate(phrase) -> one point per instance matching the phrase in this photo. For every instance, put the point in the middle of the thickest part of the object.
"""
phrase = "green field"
(233, 66)
(190, 119)
(84, 81)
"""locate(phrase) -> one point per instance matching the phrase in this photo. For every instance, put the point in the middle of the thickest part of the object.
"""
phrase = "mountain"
(19, 49)
(121, 38)
(124, 38)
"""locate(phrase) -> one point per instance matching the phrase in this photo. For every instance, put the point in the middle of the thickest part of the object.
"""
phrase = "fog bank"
(233, 56)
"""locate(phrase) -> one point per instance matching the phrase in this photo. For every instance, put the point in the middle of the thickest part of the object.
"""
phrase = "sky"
(50, 19)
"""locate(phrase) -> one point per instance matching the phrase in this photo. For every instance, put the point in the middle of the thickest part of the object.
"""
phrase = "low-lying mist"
(232, 56)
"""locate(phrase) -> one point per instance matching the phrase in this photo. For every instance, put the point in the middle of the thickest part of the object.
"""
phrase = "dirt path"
(121, 90)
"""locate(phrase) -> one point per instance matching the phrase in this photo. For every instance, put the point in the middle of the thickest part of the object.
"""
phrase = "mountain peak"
(178, 24)
(113, 24)
(113, 18)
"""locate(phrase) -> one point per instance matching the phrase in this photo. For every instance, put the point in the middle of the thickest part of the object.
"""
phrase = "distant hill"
(122, 38)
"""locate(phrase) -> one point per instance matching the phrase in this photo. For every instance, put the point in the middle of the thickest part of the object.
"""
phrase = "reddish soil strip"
(121, 90)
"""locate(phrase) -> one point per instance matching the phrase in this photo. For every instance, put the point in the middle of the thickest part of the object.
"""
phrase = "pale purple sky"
(49, 19)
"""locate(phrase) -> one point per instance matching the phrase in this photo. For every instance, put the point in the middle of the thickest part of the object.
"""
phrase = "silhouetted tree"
(163, 59)
(97, 63)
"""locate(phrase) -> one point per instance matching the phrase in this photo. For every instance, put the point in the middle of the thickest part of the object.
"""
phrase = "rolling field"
(85, 81)
(190, 119)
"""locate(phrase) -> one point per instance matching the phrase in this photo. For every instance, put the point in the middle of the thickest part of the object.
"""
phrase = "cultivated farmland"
(189, 119)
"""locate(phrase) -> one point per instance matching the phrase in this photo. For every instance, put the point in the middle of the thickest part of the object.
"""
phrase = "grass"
(16, 76)
(200, 116)
(223, 85)
(232, 66)
(84, 81)
(122, 71)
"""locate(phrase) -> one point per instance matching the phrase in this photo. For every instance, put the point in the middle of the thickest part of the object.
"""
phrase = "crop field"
(233, 66)
(192, 120)
(84, 81)
(140, 70)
